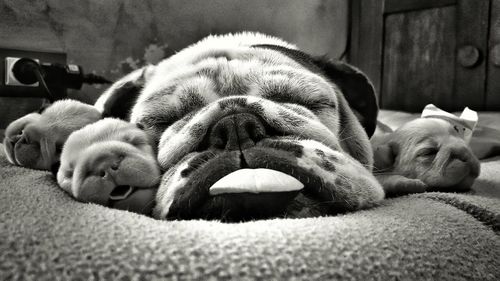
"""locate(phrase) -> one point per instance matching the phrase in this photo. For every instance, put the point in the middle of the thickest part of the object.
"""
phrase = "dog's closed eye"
(135, 140)
(428, 152)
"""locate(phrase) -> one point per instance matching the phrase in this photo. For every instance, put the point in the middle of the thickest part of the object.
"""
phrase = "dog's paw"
(395, 185)
(35, 140)
(111, 163)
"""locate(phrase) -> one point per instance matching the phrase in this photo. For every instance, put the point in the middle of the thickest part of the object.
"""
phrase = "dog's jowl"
(241, 127)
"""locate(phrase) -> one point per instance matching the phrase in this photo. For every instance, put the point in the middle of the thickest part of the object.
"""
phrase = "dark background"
(416, 52)
(111, 38)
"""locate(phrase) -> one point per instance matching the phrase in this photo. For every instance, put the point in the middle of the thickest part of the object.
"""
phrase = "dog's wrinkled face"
(108, 161)
(253, 109)
(433, 151)
(35, 140)
(250, 133)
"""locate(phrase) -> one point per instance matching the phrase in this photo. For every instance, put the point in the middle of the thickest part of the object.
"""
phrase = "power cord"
(54, 75)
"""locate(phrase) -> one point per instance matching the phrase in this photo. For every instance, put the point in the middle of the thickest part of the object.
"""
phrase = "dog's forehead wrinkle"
(427, 140)
(303, 85)
(248, 86)
(190, 101)
(233, 103)
(217, 54)
(226, 71)
(238, 75)
(166, 91)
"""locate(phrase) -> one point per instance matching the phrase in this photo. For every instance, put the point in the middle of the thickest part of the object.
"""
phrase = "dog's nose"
(97, 189)
(466, 156)
(237, 132)
(460, 152)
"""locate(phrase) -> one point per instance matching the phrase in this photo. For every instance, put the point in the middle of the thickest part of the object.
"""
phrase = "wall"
(112, 37)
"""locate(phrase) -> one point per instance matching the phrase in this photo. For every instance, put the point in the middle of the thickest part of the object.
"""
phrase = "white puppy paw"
(400, 185)
(111, 163)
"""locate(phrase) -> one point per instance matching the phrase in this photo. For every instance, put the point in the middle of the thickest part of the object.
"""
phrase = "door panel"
(472, 33)
(427, 51)
(493, 81)
(419, 58)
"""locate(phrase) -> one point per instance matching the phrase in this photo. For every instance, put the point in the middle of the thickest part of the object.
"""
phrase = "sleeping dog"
(426, 154)
(36, 140)
(241, 126)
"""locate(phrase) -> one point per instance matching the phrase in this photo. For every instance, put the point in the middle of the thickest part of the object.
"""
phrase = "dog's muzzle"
(257, 159)
(248, 191)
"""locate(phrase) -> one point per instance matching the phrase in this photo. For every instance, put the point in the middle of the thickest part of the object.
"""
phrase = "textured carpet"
(45, 235)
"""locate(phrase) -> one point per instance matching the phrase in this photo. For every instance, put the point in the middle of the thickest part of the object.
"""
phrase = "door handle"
(469, 56)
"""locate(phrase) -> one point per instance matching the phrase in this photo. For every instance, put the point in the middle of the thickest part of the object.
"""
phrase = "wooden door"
(493, 81)
(423, 51)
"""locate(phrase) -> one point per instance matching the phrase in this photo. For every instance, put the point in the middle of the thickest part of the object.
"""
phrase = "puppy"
(106, 162)
(36, 140)
(244, 126)
(426, 154)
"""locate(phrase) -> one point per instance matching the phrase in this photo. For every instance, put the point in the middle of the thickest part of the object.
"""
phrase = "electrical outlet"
(10, 87)
(10, 79)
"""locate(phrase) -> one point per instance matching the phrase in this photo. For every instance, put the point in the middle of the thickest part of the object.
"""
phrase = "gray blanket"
(46, 235)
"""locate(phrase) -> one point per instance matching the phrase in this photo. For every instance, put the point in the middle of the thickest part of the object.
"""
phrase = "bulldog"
(426, 154)
(240, 126)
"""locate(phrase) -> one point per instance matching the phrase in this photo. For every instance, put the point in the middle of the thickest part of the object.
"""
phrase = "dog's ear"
(357, 89)
(354, 84)
(118, 100)
(384, 156)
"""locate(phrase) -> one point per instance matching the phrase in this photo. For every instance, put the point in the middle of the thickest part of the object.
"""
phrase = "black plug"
(25, 70)
(28, 71)
(54, 76)
(69, 76)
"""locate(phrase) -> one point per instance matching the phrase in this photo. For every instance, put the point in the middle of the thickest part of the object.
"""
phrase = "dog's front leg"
(395, 185)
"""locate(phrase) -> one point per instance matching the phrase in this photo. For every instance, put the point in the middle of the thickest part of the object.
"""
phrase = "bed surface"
(45, 234)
